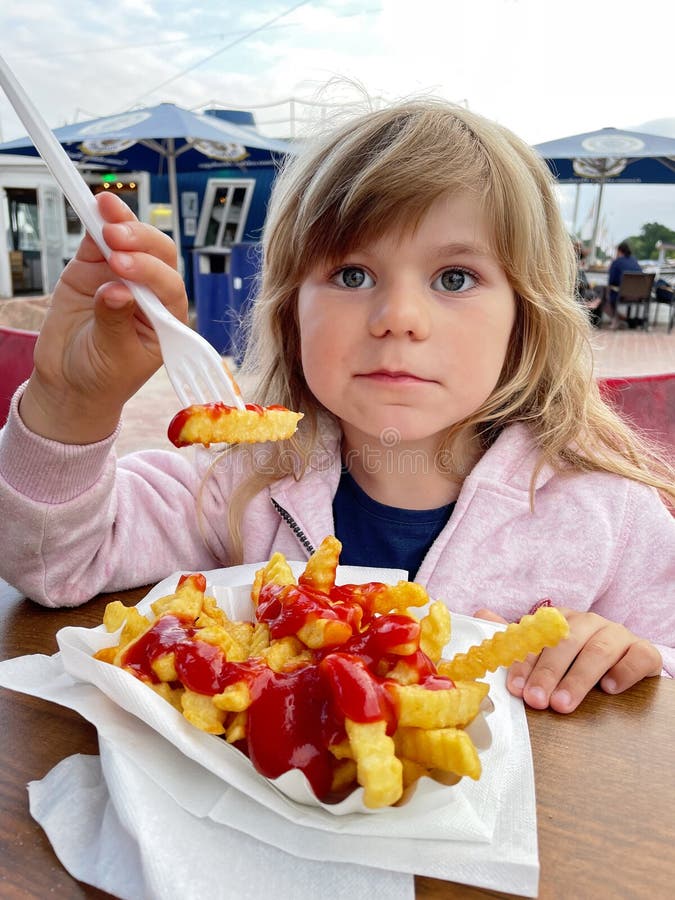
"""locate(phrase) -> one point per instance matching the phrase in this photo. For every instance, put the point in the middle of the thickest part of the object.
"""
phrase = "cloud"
(136, 8)
(542, 69)
(665, 127)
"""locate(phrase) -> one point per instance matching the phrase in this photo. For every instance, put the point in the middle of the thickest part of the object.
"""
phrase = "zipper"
(293, 525)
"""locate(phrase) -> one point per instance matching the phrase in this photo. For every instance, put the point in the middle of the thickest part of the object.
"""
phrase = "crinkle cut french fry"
(435, 630)
(420, 708)
(202, 712)
(234, 698)
(545, 628)
(320, 570)
(344, 776)
(235, 728)
(448, 749)
(277, 571)
(378, 769)
(402, 596)
(214, 423)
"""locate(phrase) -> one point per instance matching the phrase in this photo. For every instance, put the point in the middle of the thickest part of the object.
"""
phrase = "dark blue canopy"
(611, 155)
(163, 139)
(145, 139)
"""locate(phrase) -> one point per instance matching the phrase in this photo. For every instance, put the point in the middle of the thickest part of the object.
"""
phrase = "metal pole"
(173, 198)
(576, 210)
(596, 223)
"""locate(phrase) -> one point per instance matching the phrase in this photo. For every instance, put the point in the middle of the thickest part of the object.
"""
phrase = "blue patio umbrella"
(162, 139)
(610, 156)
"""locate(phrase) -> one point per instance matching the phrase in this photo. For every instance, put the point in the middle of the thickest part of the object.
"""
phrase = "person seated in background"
(588, 296)
(623, 262)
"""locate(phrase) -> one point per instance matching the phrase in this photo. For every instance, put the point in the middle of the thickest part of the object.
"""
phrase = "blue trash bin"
(212, 300)
(245, 260)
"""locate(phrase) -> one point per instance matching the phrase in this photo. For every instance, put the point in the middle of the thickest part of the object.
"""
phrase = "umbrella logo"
(613, 144)
(229, 152)
(597, 168)
(109, 145)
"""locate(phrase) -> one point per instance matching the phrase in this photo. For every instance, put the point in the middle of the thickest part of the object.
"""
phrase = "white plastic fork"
(196, 370)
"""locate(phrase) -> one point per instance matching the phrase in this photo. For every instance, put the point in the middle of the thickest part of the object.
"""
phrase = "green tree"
(643, 245)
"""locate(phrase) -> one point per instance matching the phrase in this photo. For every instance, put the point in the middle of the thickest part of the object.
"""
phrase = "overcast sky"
(545, 69)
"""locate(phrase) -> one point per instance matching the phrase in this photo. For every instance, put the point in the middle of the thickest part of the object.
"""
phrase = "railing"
(302, 116)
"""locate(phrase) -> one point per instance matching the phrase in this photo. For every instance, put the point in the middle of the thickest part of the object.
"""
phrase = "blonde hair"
(381, 171)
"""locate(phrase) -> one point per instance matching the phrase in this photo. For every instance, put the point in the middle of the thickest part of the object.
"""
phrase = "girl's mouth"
(394, 377)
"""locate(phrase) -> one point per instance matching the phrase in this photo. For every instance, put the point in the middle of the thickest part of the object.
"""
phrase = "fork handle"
(71, 182)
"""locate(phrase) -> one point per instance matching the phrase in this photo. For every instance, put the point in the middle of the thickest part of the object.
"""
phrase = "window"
(24, 228)
(224, 211)
(73, 224)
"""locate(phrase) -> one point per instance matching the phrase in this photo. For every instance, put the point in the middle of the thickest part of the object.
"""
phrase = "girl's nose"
(401, 309)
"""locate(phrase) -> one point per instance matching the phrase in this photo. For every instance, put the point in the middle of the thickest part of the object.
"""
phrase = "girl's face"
(407, 335)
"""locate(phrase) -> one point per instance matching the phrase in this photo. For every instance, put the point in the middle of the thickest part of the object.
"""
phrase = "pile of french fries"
(345, 670)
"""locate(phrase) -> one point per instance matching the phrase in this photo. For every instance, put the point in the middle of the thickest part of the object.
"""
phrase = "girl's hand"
(596, 651)
(96, 348)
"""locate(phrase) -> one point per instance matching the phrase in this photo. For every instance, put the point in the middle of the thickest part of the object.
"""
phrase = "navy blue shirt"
(373, 534)
(620, 265)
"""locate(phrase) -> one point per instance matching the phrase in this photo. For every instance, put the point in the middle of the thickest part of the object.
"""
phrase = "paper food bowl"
(291, 790)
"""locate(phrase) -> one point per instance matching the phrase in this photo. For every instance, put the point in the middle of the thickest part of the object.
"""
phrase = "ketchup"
(200, 666)
(286, 608)
(210, 411)
(284, 728)
(295, 716)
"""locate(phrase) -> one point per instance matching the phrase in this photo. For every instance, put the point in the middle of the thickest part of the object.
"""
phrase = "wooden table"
(604, 778)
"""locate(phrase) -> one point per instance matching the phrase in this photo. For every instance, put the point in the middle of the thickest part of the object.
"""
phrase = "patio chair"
(648, 401)
(635, 292)
(16, 363)
(664, 294)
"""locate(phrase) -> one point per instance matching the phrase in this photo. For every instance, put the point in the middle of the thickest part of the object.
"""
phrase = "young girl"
(417, 304)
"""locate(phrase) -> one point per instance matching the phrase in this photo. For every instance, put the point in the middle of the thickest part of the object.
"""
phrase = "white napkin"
(490, 823)
(114, 829)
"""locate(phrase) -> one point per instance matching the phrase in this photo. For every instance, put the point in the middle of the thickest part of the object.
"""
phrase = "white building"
(39, 232)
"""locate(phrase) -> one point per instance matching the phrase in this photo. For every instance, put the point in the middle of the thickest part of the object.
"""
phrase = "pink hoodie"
(76, 521)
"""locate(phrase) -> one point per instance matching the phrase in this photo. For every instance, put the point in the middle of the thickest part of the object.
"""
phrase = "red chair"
(16, 363)
(648, 401)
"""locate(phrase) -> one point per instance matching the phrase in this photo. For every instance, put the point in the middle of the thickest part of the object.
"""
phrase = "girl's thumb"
(114, 307)
(489, 615)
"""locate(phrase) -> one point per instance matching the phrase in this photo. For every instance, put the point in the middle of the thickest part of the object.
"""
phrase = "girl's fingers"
(113, 210)
(83, 278)
(518, 673)
(119, 329)
(599, 653)
(550, 667)
(489, 616)
(138, 237)
(596, 651)
(641, 660)
(122, 231)
(114, 295)
(145, 269)
(606, 652)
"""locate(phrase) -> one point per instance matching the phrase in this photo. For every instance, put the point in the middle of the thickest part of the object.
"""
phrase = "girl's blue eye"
(353, 277)
(455, 281)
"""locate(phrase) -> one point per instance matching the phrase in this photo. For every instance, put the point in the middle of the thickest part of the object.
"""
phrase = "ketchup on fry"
(212, 411)
(295, 716)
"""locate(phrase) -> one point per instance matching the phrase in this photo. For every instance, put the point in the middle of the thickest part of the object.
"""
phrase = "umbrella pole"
(575, 231)
(596, 223)
(173, 198)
